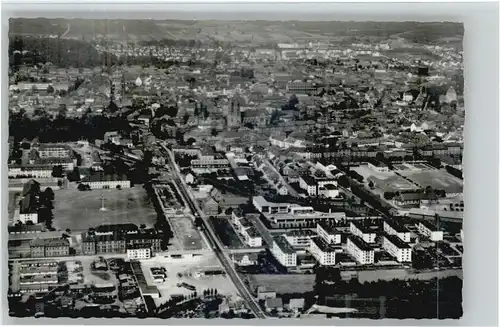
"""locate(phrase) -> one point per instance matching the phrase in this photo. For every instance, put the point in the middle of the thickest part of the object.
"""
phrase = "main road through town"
(211, 236)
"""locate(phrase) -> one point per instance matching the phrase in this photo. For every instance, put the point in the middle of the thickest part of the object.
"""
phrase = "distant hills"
(237, 31)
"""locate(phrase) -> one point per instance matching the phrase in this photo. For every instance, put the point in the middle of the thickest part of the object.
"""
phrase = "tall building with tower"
(234, 115)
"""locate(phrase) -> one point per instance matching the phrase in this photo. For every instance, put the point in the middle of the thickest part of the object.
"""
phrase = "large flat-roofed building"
(393, 228)
(323, 252)
(299, 238)
(285, 215)
(54, 151)
(328, 233)
(430, 230)
(303, 219)
(364, 232)
(397, 248)
(360, 250)
(265, 207)
(284, 252)
(301, 87)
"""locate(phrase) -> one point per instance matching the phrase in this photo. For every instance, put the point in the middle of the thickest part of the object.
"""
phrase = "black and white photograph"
(235, 168)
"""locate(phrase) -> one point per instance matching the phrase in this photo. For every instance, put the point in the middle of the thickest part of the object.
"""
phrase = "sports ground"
(385, 181)
(438, 179)
(80, 210)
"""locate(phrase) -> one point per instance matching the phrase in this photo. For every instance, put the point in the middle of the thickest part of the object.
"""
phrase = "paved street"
(213, 239)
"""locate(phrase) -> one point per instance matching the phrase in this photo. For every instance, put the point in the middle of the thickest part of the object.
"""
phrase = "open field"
(283, 283)
(385, 181)
(80, 210)
(184, 271)
(188, 235)
(437, 179)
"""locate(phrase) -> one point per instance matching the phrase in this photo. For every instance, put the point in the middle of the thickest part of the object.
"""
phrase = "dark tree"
(57, 171)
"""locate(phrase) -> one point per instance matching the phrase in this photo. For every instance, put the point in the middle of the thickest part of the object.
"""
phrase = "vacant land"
(80, 210)
(189, 237)
(283, 283)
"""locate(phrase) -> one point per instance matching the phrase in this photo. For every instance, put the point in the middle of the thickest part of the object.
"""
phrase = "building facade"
(139, 252)
(284, 252)
(397, 248)
(360, 250)
(364, 233)
(329, 234)
(322, 251)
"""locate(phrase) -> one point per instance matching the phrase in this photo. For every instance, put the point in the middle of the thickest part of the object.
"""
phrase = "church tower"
(234, 116)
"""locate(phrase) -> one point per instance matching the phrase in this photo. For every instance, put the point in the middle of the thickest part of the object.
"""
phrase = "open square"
(80, 210)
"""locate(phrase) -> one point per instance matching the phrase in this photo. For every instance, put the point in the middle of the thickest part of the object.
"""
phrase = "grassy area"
(226, 232)
(284, 283)
(80, 210)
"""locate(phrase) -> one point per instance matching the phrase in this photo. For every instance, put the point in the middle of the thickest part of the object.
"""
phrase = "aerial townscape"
(235, 169)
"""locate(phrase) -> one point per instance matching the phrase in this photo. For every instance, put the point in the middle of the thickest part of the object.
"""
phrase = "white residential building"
(429, 230)
(397, 248)
(299, 238)
(322, 251)
(308, 184)
(393, 228)
(252, 237)
(139, 252)
(30, 172)
(329, 234)
(356, 228)
(360, 250)
(380, 167)
(329, 191)
(25, 217)
(284, 252)
(54, 151)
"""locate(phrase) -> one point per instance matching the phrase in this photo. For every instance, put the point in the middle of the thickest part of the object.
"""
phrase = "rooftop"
(396, 241)
(395, 225)
(50, 242)
(330, 230)
(360, 243)
(300, 232)
(362, 227)
(429, 224)
(320, 243)
(284, 245)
